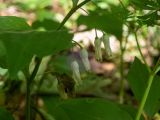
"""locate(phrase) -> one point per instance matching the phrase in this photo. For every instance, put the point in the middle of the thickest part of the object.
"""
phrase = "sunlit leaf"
(110, 21)
(86, 109)
(10, 23)
(21, 46)
(138, 78)
(146, 4)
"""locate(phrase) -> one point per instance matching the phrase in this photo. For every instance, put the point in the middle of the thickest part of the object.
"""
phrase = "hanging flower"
(76, 74)
(98, 52)
(106, 43)
(84, 57)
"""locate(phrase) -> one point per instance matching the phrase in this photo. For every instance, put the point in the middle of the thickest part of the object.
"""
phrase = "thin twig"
(28, 94)
(139, 49)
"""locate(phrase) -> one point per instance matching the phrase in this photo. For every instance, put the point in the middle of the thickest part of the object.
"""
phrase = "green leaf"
(21, 46)
(146, 4)
(86, 109)
(138, 78)
(62, 64)
(110, 21)
(149, 19)
(5, 115)
(12, 23)
(47, 24)
(130, 110)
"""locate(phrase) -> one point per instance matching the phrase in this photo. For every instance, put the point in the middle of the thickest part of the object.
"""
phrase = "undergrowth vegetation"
(46, 74)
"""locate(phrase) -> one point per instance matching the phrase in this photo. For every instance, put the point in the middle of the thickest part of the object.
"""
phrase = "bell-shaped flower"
(85, 60)
(98, 52)
(75, 72)
(106, 42)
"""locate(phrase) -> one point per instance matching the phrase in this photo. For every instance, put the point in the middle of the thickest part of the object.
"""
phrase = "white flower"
(84, 57)
(98, 51)
(76, 74)
(106, 43)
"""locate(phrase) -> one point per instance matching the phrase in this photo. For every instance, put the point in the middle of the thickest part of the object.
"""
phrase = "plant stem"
(156, 66)
(139, 49)
(121, 93)
(28, 94)
(144, 98)
(74, 9)
(78, 44)
(122, 81)
(32, 77)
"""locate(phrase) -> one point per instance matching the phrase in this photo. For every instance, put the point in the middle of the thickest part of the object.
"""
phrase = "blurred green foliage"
(21, 42)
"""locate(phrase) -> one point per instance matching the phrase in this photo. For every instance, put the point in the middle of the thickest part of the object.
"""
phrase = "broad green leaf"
(138, 78)
(5, 115)
(149, 19)
(21, 46)
(12, 23)
(86, 109)
(47, 24)
(146, 4)
(130, 110)
(61, 64)
(108, 21)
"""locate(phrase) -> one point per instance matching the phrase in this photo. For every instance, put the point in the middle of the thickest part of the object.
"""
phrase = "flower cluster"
(105, 40)
(75, 67)
(84, 57)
